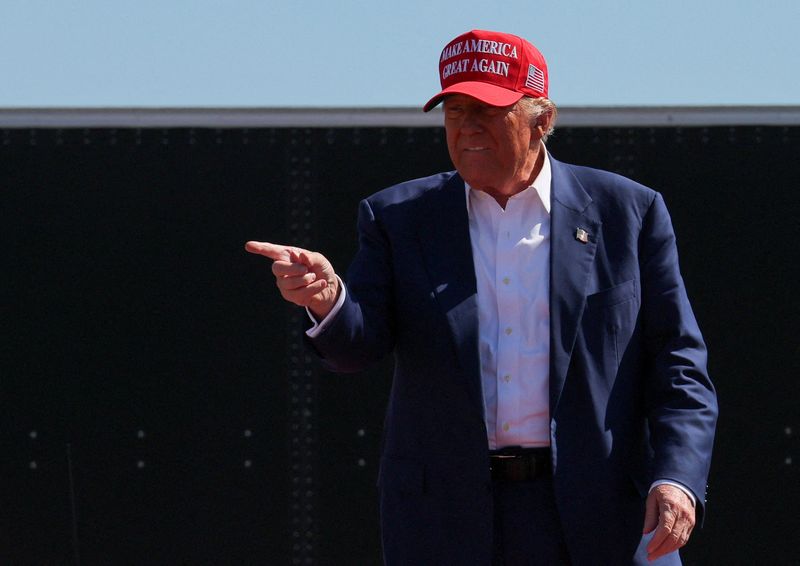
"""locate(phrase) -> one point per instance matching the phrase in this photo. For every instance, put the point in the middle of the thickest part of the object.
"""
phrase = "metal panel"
(157, 404)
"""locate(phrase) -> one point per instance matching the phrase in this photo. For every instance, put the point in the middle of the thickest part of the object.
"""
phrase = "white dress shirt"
(511, 252)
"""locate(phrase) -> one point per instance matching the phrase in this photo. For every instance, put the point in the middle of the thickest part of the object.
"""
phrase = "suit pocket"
(612, 296)
(402, 475)
(607, 327)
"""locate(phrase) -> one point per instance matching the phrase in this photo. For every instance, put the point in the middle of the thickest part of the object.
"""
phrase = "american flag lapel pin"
(582, 236)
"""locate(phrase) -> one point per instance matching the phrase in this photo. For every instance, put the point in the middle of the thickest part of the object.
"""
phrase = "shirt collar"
(541, 184)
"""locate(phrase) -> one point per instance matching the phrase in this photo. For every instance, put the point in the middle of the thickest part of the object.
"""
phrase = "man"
(550, 401)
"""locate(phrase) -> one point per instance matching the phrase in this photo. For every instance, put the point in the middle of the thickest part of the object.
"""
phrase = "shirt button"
(506, 280)
(508, 331)
(507, 377)
(506, 426)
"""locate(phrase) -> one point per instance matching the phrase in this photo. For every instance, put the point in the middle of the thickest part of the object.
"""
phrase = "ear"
(542, 125)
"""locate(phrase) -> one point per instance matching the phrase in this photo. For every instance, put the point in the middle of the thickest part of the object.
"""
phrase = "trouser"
(527, 531)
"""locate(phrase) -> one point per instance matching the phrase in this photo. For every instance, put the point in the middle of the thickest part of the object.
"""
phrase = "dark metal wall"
(157, 405)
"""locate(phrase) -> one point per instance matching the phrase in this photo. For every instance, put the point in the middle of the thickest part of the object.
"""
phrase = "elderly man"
(550, 401)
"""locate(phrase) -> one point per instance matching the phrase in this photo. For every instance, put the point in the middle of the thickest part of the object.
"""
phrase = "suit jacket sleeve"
(361, 333)
(680, 401)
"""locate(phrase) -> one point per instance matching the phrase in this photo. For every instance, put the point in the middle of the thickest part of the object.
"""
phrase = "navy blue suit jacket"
(630, 398)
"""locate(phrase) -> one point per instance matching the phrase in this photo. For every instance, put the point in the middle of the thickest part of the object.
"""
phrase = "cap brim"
(490, 94)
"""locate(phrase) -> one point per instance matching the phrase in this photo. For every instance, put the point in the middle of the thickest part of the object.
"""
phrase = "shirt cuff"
(680, 486)
(321, 325)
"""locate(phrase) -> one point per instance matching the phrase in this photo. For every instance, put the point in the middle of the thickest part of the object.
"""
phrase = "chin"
(477, 181)
(472, 174)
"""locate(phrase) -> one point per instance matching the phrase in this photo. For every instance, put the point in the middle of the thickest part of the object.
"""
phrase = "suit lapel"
(447, 253)
(571, 256)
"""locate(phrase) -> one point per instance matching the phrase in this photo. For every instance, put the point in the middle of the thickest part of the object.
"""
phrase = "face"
(494, 148)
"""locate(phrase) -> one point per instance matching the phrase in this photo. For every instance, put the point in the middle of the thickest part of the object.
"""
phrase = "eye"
(493, 111)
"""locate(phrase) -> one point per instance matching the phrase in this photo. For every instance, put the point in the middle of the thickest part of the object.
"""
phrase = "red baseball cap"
(496, 68)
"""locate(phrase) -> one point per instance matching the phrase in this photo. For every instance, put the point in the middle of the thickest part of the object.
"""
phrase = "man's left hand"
(670, 512)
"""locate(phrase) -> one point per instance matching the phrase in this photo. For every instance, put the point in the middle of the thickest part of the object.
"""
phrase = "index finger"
(273, 251)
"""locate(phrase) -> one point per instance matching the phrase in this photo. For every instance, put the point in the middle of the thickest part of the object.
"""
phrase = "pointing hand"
(304, 278)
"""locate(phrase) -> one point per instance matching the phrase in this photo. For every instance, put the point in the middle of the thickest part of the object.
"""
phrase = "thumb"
(312, 260)
(650, 513)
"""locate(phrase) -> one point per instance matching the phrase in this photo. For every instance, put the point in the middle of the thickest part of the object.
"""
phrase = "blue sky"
(354, 53)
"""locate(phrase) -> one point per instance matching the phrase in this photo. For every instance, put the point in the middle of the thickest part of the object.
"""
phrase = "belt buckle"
(511, 467)
(521, 466)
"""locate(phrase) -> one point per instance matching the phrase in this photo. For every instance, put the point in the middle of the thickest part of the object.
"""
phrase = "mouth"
(477, 148)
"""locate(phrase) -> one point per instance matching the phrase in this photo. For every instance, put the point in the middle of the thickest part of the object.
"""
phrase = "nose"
(471, 124)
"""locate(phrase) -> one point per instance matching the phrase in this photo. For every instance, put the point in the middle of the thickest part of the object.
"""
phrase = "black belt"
(515, 464)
